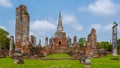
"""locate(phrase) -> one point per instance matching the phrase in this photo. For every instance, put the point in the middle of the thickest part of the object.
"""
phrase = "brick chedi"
(22, 29)
(59, 41)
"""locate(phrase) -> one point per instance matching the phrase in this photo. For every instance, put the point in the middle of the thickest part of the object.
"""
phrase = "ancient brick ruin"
(22, 29)
(91, 44)
(59, 43)
(27, 47)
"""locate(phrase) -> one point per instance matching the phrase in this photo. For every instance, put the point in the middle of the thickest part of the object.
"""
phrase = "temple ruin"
(59, 43)
(91, 44)
(22, 29)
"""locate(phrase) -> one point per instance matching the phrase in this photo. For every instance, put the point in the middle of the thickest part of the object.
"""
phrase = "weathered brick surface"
(47, 49)
(22, 28)
(92, 43)
(59, 41)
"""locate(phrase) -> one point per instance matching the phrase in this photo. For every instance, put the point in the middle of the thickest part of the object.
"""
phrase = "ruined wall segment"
(22, 28)
(91, 44)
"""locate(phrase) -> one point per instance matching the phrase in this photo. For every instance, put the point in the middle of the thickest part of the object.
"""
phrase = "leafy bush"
(106, 45)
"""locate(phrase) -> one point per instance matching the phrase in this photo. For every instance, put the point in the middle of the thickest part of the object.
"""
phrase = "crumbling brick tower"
(22, 29)
(59, 41)
(92, 43)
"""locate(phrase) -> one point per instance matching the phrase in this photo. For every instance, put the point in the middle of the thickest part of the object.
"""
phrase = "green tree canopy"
(106, 45)
(82, 41)
(118, 43)
(4, 40)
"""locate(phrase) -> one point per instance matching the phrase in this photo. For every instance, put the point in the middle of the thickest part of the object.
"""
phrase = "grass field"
(58, 56)
(8, 63)
(104, 62)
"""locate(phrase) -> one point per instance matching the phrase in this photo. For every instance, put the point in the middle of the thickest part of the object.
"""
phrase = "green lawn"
(104, 62)
(8, 63)
(58, 56)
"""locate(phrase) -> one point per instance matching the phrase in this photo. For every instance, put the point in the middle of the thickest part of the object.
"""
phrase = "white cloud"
(3, 27)
(77, 27)
(42, 25)
(71, 20)
(102, 7)
(109, 26)
(32, 33)
(96, 26)
(100, 27)
(118, 28)
(82, 9)
(6, 3)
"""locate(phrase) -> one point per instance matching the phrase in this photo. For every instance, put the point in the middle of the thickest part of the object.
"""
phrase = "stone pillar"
(33, 40)
(40, 42)
(75, 41)
(114, 40)
(46, 46)
(11, 46)
(46, 41)
(50, 42)
(68, 41)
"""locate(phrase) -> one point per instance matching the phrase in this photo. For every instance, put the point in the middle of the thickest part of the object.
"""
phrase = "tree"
(4, 40)
(82, 41)
(106, 45)
(115, 23)
(118, 43)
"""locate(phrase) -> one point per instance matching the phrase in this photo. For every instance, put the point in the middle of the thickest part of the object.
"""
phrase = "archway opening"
(59, 42)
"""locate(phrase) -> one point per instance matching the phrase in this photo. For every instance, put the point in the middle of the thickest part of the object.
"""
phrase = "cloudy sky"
(79, 17)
